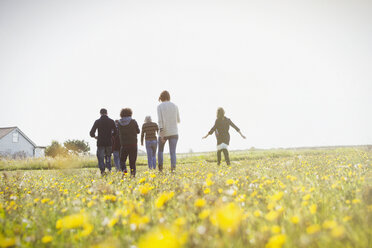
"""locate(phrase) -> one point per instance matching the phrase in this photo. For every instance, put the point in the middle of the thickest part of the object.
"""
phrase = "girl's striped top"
(149, 130)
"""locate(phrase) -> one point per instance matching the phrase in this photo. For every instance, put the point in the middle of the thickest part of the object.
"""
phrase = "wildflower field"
(279, 198)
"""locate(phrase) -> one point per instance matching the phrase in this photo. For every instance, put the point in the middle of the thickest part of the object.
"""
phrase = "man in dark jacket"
(106, 128)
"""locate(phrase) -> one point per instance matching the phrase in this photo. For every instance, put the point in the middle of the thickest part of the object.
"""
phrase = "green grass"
(252, 203)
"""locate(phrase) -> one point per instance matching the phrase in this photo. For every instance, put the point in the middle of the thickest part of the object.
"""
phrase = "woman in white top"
(168, 118)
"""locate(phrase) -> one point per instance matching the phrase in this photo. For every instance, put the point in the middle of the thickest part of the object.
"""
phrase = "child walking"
(221, 129)
(149, 131)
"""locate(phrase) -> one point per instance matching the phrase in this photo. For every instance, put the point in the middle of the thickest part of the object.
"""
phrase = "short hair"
(164, 96)
(148, 119)
(220, 113)
(125, 112)
(103, 111)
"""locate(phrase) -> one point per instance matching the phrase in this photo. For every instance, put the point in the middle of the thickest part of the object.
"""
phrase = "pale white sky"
(288, 73)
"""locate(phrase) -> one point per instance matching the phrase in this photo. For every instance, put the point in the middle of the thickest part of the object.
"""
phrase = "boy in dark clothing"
(128, 130)
(116, 147)
(106, 128)
(221, 129)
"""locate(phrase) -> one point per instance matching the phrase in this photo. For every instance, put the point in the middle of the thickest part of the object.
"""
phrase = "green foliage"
(55, 149)
(77, 147)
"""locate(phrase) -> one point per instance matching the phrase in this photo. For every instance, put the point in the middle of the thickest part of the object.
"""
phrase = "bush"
(55, 149)
(77, 147)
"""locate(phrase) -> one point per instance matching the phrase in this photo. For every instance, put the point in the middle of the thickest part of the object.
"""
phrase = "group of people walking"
(120, 137)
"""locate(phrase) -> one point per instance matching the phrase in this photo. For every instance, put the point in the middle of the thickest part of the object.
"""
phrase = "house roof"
(6, 130)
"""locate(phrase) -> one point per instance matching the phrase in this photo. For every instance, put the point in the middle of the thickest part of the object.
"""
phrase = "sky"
(287, 73)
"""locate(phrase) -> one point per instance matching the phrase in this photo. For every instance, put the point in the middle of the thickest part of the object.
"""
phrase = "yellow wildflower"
(306, 197)
(313, 229)
(276, 241)
(72, 221)
(46, 239)
(45, 200)
(346, 218)
(138, 221)
(204, 214)
(277, 196)
(160, 238)
(338, 231)
(257, 213)
(294, 219)
(7, 242)
(229, 181)
(313, 209)
(144, 189)
(209, 182)
(227, 217)
(180, 221)
(275, 229)
(329, 224)
(272, 215)
(113, 222)
(199, 203)
(111, 198)
(164, 198)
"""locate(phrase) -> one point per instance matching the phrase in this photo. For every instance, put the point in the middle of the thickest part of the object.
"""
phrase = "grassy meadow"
(276, 198)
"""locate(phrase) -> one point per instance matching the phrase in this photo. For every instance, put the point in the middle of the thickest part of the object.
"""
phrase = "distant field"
(266, 198)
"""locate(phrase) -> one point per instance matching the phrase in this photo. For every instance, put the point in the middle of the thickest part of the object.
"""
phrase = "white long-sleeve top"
(168, 118)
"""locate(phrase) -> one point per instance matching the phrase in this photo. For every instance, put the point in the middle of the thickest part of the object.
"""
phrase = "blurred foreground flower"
(164, 198)
(228, 217)
(46, 239)
(7, 242)
(75, 221)
(276, 241)
(199, 203)
(161, 238)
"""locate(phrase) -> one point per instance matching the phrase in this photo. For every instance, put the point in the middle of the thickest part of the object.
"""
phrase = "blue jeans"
(172, 151)
(117, 159)
(151, 146)
(104, 157)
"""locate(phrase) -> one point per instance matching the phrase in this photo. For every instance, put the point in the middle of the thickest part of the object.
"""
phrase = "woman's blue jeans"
(151, 146)
(172, 151)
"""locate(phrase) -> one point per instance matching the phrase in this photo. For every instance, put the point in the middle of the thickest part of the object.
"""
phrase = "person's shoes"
(103, 173)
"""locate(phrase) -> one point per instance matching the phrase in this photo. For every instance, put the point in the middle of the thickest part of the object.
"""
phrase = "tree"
(55, 149)
(77, 146)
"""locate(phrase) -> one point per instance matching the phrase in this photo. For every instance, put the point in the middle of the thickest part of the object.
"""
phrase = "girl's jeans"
(151, 146)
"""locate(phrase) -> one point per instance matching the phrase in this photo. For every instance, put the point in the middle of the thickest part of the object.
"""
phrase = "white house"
(14, 143)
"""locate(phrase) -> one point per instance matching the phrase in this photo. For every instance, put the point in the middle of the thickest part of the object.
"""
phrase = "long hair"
(220, 113)
(164, 96)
